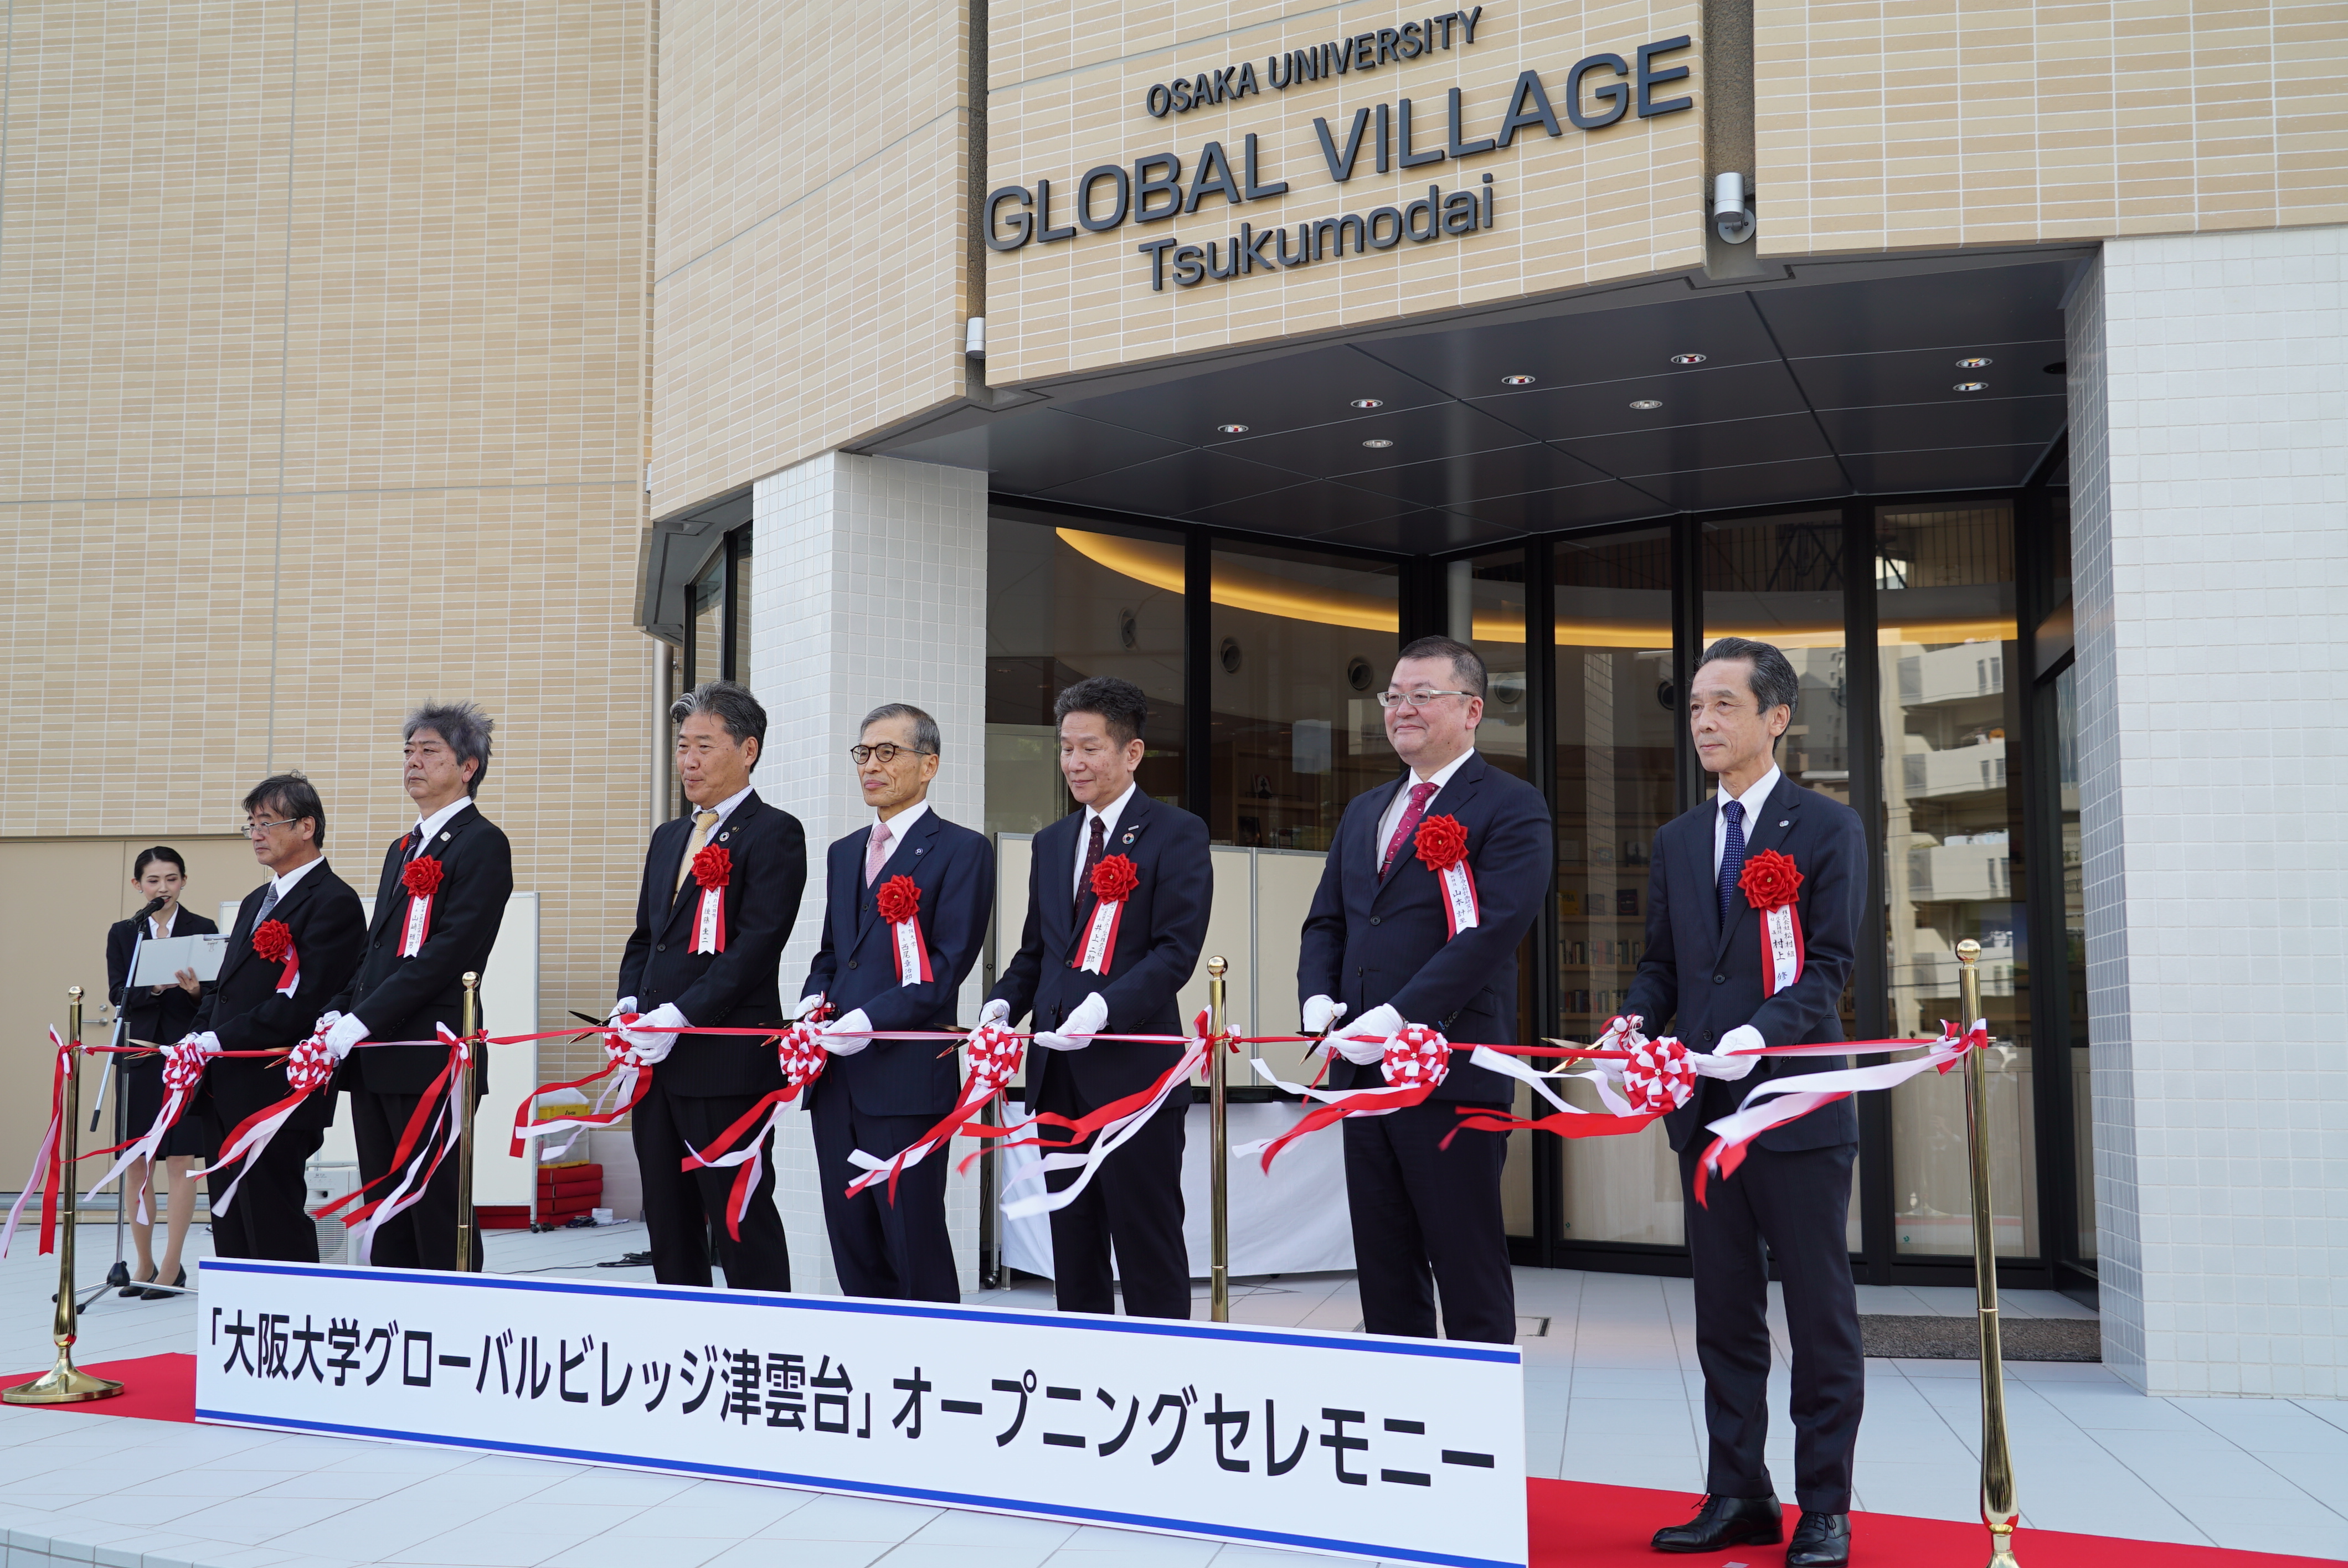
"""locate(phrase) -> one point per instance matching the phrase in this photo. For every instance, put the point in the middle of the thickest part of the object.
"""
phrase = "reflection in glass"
(1951, 838)
(706, 605)
(740, 664)
(2074, 947)
(1617, 726)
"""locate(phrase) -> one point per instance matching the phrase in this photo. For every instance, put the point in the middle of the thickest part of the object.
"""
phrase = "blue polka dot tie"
(1731, 858)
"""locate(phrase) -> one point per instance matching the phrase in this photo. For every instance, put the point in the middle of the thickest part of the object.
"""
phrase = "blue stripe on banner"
(1508, 1354)
(784, 1478)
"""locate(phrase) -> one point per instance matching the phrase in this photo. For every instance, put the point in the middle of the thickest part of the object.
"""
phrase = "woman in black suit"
(162, 1014)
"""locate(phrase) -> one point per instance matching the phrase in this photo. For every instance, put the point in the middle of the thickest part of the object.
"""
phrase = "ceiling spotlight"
(1971, 386)
(1233, 429)
(1981, 362)
(1377, 444)
(1515, 381)
(1646, 403)
(1369, 403)
(1689, 358)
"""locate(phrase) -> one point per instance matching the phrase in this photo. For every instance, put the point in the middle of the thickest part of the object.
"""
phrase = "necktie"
(876, 853)
(1093, 851)
(414, 841)
(1420, 795)
(703, 821)
(1731, 858)
(268, 902)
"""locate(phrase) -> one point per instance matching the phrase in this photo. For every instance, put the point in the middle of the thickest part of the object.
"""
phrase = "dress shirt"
(160, 930)
(285, 884)
(426, 827)
(1108, 818)
(1401, 802)
(1753, 800)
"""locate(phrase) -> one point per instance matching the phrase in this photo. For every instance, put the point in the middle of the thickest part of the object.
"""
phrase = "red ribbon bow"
(273, 940)
(1115, 879)
(1442, 843)
(422, 877)
(1769, 881)
(713, 867)
(898, 900)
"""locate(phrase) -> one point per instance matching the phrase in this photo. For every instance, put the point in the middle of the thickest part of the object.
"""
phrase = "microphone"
(154, 906)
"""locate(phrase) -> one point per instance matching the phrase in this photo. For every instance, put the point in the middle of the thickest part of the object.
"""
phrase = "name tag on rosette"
(899, 904)
(1770, 882)
(1114, 881)
(1442, 844)
(422, 880)
(713, 868)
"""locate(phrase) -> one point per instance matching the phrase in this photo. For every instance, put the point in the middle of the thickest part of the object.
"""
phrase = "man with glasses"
(721, 890)
(870, 973)
(1379, 952)
(296, 942)
(438, 902)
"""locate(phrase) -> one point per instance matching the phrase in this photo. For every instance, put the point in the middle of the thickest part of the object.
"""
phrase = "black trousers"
(269, 1215)
(1797, 1203)
(1427, 1218)
(1132, 1208)
(684, 1210)
(423, 1235)
(899, 1248)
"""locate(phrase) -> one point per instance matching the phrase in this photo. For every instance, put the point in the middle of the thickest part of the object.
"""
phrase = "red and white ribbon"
(272, 942)
(1418, 1059)
(428, 1140)
(1769, 883)
(899, 902)
(422, 880)
(995, 1056)
(46, 1175)
(801, 1053)
(1113, 882)
(308, 1069)
(183, 1071)
(713, 868)
(629, 1076)
(1111, 1128)
(1442, 846)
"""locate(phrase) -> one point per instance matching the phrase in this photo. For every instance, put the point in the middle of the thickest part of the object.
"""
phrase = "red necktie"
(1420, 795)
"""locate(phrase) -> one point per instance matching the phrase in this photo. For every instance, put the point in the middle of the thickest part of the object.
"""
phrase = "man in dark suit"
(246, 1010)
(1379, 947)
(721, 889)
(1703, 970)
(882, 1095)
(1133, 1207)
(420, 946)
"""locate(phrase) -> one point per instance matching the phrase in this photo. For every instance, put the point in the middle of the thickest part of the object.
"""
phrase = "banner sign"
(1408, 1451)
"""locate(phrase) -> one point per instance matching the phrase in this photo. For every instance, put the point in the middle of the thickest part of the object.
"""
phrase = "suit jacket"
(740, 987)
(1158, 942)
(402, 997)
(1703, 979)
(1367, 941)
(329, 932)
(163, 1018)
(857, 966)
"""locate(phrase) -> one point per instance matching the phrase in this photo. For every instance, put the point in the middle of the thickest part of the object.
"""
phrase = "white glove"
(1090, 1014)
(807, 1005)
(1320, 1012)
(620, 1008)
(344, 1032)
(327, 1020)
(655, 1032)
(1363, 1044)
(206, 1042)
(996, 1013)
(1733, 1061)
(854, 1024)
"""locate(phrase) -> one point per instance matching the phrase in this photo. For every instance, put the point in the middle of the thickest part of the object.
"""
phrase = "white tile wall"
(2209, 430)
(868, 586)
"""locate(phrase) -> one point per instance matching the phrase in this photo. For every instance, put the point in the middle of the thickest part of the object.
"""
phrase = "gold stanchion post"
(1218, 1152)
(1998, 1511)
(65, 1383)
(463, 1091)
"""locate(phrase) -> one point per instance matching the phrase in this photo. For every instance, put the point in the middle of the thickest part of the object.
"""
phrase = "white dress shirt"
(428, 827)
(1401, 802)
(285, 884)
(723, 808)
(1107, 817)
(1754, 801)
(160, 930)
(897, 825)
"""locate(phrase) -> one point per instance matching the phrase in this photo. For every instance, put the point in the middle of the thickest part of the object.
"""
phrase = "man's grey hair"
(730, 703)
(463, 727)
(925, 729)
(1774, 681)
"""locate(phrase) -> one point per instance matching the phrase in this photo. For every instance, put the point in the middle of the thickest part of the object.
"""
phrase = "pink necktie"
(1420, 795)
(876, 854)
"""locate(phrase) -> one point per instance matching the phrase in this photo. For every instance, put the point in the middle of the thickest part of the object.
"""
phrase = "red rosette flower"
(994, 1054)
(184, 1067)
(898, 900)
(1417, 1058)
(713, 867)
(271, 940)
(1115, 879)
(801, 1055)
(1442, 843)
(422, 877)
(1769, 880)
(310, 1066)
(1659, 1076)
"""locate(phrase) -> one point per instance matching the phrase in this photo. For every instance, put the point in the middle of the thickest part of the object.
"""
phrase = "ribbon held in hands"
(995, 1056)
(1657, 1080)
(1418, 1059)
(799, 1052)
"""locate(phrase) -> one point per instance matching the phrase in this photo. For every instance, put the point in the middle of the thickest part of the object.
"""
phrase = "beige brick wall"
(322, 370)
(810, 279)
(1889, 124)
(1066, 94)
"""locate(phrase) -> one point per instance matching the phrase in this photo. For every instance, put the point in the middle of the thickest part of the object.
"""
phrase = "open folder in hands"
(161, 962)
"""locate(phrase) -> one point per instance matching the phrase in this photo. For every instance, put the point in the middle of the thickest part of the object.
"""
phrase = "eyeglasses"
(255, 829)
(1414, 699)
(887, 750)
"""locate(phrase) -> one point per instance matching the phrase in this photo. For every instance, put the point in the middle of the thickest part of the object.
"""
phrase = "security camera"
(1731, 210)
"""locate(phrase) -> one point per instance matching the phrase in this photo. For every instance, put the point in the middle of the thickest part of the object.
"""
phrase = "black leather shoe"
(180, 1283)
(1721, 1522)
(134, 1287)
(1821, 1541)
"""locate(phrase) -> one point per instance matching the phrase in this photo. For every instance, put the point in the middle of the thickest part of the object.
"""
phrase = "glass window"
(1617, 729)
(1952, 863)
(738, 653)
(706, 622)
(2074, 947)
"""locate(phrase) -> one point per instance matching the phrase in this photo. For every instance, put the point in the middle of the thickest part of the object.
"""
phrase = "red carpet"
(1575, 1525)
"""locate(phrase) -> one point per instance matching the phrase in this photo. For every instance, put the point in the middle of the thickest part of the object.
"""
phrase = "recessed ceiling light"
(1369, 403)
(1233, 429)
(1645, 403)
(1377, 444)
(1979, 361)
(1972, 386)
(2059, 367)
(1515, 381)
(1689, 358)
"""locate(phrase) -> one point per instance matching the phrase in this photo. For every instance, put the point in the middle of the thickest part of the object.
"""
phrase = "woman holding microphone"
(162, 1014)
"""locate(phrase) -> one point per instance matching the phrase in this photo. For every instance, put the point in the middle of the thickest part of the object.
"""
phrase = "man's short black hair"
(290, 797)
(1774, 681)
(1466, 664)
(731, 704)
(1123, 706)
